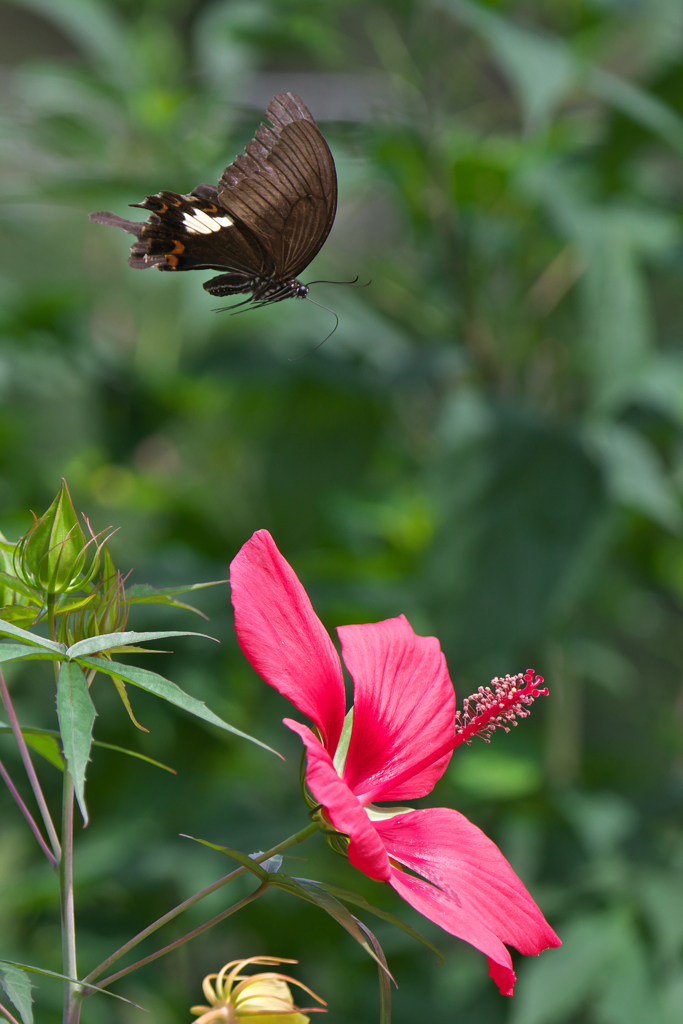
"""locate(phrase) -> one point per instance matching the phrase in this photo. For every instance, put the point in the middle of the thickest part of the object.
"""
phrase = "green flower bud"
(51, 556)
(111, 612)
(105, 610)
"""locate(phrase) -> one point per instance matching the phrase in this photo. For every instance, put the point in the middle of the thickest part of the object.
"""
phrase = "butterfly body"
(261, 226)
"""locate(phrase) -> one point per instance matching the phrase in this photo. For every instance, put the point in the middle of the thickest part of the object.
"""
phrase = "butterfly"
(269, 216)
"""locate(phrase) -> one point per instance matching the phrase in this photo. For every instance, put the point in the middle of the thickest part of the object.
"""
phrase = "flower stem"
(30, 770)
(298, 837)
(72, 996)
(51, 622)
(190, 935)
(27, 814)
(4, 1012)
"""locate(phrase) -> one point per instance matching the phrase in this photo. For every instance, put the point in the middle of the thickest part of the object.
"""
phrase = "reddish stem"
(30, 770)
(27, 814)
(7, 1015)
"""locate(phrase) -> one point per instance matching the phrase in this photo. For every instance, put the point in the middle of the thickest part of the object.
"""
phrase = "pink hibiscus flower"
(394, 744)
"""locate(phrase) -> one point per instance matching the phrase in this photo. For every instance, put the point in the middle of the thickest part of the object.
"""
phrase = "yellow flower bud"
(256, 998)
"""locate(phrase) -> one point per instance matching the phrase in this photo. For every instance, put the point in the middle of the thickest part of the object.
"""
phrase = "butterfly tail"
(112, 220)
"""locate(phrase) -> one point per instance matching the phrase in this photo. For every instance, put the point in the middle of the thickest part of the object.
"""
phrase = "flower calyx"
(258, 998)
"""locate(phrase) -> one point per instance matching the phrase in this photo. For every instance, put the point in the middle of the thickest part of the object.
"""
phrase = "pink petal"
(458, 921)
(444, 847)
(283, 638)
(365, 851)
(404, 708)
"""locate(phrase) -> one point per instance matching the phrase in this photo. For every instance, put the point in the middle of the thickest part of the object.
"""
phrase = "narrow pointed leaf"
(20, 613)
(13, 652)
(142, 593)
(17, 986)
(171, 602)
(161, 687)
(34, 734)
(242, 858)
(74, 981)
(305, 889)
(76, 603)
(76, 713)
(140, 650)
(383, 972)
(14, 583)
(360, 901)
(123, 694)
(134, 753)
(7, 629)
(110, 640)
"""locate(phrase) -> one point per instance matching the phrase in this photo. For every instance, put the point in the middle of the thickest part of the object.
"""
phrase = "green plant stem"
(72, 995)
(30, 770)
(298, 837)
(51, 600)
(186, 938)
(4, 1012)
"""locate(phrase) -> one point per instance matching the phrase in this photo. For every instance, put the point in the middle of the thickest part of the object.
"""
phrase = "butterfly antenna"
(320, 343)
(354, 282)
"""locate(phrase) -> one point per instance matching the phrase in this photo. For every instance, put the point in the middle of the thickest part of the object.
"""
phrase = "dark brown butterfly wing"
(191, 232)
(285, 186)
(272, 211)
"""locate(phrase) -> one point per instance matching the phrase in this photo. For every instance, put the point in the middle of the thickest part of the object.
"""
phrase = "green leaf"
(133, 753)
(110, 640)
(76, 713)
(20, 613)
(635, 473)
(360, 901)
(306, 889)
(242, 858)
(95, 29)
(43, 741)
(13, 583)
(142, 593)
(542, 69)
(34, 738)
(123, 694)
(383, 972)
(640, 105)
(74, 981)
(46, 746)
(555, 986)
(17, 986)
(156, 684)
(8, 629)
(13, 652)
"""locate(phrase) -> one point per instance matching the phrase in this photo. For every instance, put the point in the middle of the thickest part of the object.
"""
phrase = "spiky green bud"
(51, 556)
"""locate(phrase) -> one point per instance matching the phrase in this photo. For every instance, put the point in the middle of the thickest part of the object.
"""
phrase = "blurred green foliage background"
(492, 443)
